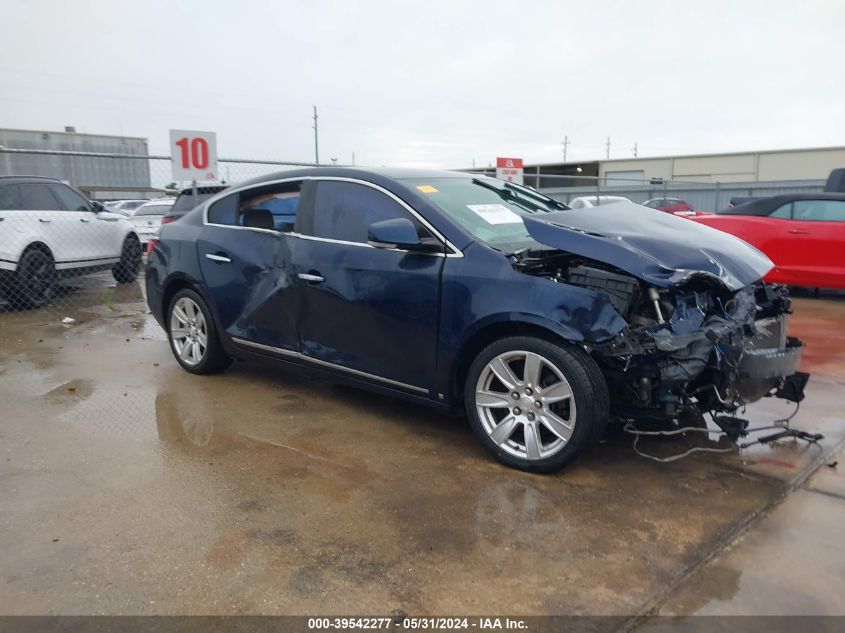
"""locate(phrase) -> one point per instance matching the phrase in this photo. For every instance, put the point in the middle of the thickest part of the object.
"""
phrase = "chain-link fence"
(77, 342)
(702, 196)
(51, 238)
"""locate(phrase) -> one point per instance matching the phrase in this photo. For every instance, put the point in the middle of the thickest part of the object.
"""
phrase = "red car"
(670, 205)
(803, 234)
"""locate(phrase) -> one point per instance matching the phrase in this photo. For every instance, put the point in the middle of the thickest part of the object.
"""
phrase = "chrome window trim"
(453, 251)
(300, 356)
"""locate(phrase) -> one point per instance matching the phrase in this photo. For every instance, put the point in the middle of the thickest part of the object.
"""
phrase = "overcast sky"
(430, 82)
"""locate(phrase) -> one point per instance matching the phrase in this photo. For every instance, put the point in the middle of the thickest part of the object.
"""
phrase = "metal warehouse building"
(99, 177)
(734, 167)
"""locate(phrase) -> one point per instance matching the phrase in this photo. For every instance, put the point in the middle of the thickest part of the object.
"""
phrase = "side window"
(10, 198)
(282, 201)
(820, 210)
(784, 211)
(224, 211)
(38, 198)
(344, 211)
(71, 200)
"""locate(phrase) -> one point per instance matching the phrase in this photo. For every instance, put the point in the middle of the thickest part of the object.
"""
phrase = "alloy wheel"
(188, 331)
(525, 405)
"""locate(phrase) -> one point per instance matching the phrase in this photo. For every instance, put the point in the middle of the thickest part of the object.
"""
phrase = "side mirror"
(98, 207)
(258, 219)
(400, 233)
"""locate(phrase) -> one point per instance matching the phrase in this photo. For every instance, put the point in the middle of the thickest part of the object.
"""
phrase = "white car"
(49, 230)
(594, 201)
(147, 218)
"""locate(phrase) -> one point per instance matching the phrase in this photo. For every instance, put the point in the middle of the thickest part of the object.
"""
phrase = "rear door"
(365, 310)
(248, 271)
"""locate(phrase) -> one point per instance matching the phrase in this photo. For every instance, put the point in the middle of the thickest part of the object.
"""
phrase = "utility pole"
(607, 149)
(634, 149)
(316, 145)
(565, 145)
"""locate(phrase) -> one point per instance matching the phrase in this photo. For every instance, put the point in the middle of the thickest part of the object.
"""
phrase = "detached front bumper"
(762, 370)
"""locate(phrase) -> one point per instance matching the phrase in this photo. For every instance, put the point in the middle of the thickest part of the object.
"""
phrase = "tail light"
(167, 220)
(151, 245)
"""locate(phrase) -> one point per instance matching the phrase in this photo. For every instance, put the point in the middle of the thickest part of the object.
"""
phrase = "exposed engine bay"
(694, 346)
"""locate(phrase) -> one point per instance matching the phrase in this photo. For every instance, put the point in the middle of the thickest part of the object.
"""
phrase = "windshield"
(490, 210)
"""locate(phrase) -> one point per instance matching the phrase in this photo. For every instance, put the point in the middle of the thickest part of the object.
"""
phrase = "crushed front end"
(703, 348)
(694, 345)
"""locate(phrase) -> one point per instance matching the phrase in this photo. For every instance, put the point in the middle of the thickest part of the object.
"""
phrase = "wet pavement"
(131, 487)
(791, 563)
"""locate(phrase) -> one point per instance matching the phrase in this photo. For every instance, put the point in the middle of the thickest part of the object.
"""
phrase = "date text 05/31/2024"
(410, 623)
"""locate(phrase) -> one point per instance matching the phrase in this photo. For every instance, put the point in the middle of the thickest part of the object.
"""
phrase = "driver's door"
(365, 310)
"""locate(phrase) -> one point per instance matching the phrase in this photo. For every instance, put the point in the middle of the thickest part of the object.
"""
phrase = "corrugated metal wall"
(80, 171)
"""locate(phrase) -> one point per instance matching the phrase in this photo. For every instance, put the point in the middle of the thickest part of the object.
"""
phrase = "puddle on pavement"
(71, 391)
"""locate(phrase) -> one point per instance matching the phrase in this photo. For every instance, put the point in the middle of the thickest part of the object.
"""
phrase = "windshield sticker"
(426, 188)
(495, 213)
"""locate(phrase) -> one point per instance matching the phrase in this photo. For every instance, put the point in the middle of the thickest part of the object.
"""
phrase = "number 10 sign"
(193, 155)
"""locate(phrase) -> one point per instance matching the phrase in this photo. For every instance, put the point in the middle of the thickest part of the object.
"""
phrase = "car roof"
(391, 173)
(15, 180)
(167, 201)
(764, 206)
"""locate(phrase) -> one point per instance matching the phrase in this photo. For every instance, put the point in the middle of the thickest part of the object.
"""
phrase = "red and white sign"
(509, 169)
(193, 155)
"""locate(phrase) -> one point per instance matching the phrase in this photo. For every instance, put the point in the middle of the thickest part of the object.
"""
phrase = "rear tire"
(126, 270)
(193, 335)
(535, 405)
(34, 282)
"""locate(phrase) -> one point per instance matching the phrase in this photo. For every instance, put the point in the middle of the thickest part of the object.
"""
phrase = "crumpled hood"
(657, 247)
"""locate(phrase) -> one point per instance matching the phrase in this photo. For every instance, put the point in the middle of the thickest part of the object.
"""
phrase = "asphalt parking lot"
(132, 487)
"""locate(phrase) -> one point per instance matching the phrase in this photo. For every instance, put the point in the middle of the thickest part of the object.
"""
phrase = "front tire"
(126, 270)
(35, 280)
(534, 404)
(193, 335)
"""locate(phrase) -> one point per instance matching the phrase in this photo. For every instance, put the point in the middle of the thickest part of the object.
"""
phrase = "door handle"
(218, 258)
(84, 220)
(799, 231)
(44, 221)
(311, 279)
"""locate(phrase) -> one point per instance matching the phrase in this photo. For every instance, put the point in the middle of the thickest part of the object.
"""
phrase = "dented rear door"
(247, 275)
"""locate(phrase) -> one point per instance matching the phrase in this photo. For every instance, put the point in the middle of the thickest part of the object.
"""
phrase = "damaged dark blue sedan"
(471, 294)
